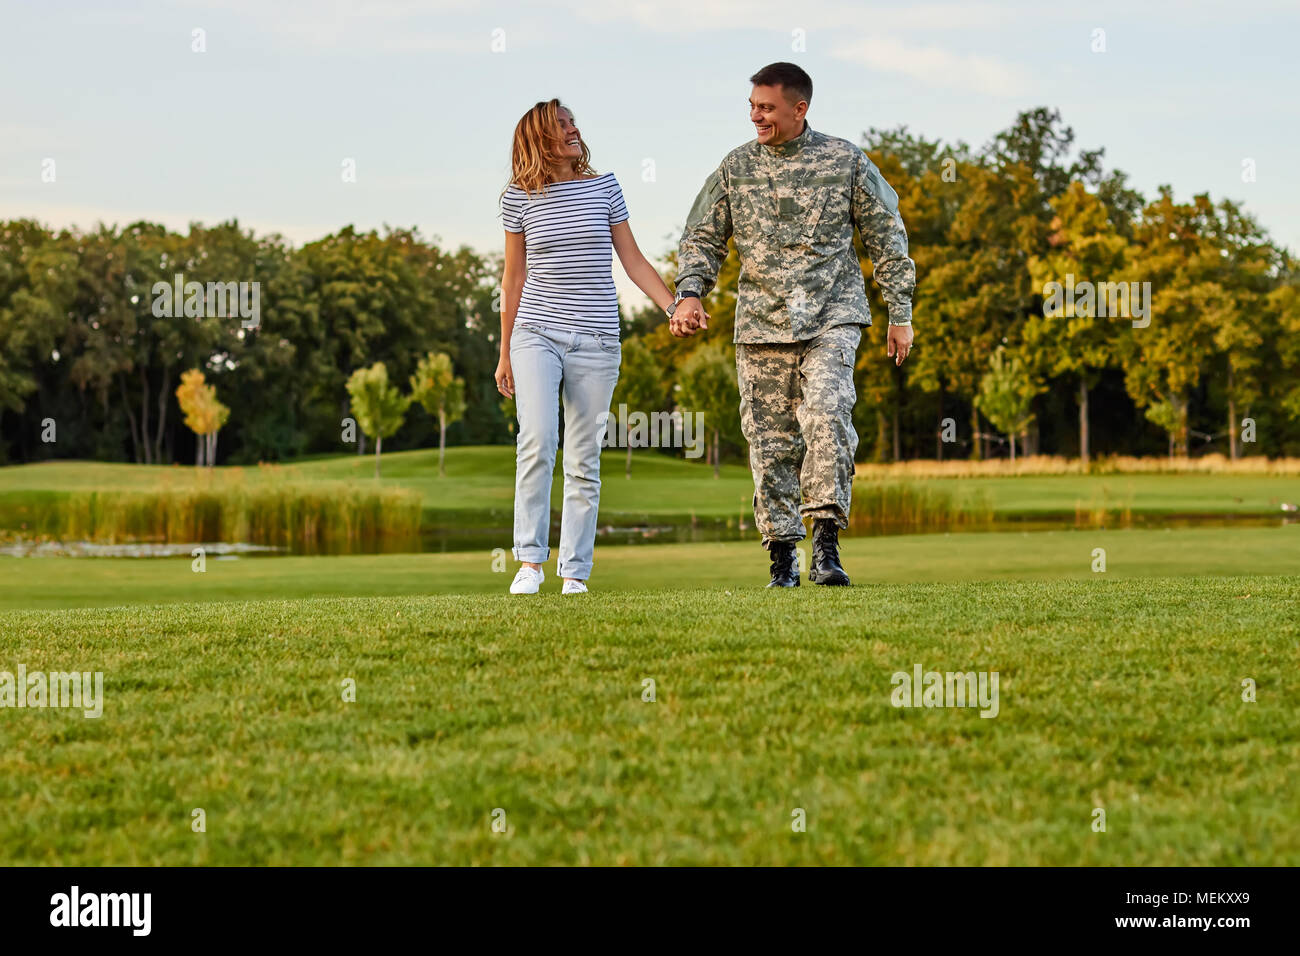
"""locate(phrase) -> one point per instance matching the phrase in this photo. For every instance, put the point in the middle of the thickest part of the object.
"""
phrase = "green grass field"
(900, 559)
(1123, 695)
(1119, 690)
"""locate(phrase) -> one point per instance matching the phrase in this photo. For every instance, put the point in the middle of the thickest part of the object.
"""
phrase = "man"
(791, 198)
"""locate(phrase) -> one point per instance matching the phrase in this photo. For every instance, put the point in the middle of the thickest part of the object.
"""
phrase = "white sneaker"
(527, 581)
(574, 587)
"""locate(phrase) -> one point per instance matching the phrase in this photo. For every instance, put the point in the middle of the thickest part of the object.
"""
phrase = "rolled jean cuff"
(579, 571)
(531, 555)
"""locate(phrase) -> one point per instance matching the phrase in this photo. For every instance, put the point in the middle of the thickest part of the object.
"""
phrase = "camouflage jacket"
(792, 209)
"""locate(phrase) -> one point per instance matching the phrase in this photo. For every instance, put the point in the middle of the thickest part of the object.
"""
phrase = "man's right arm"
(703, 245)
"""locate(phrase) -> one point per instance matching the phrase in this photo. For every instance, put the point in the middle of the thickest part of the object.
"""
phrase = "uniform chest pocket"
(827, 198)
(753, 207)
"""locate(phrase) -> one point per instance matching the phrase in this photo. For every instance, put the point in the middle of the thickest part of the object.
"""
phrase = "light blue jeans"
(583, 367)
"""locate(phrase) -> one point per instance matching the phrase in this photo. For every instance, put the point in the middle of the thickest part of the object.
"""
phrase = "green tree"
(708, 387)
(1180, 252)
(435, 386)
(1078, 341)
(640, 386)
(378, 406)
(374, 300)
(931, 179)
(1246, 268)
(270, 374)
(478, 345)
(1039, 141)
(1006, 396)
(104, 336)
(37, 276)
(1284, 307)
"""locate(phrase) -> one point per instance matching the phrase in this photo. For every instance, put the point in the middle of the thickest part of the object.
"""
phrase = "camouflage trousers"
(796, 412)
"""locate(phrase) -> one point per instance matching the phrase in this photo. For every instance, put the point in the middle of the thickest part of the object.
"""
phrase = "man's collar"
(791, 147)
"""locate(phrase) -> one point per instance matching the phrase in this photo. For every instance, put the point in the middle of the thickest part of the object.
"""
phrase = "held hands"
(899, 343)
(688, 317)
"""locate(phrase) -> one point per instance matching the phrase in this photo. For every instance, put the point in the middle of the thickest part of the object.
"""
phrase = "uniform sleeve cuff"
(689, 287)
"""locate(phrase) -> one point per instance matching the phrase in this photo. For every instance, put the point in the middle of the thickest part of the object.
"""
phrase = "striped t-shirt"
(570, 282)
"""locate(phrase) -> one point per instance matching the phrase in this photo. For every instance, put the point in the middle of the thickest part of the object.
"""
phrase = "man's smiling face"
(776, 120)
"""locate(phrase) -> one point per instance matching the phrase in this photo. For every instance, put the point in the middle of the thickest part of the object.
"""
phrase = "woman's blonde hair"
(536, 149)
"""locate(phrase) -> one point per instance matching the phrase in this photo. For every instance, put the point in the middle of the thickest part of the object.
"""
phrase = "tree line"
(1025, 249)
(81, 345)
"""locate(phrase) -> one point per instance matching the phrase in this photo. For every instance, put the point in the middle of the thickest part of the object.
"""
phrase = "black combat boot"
(785, 565)
(826, 554)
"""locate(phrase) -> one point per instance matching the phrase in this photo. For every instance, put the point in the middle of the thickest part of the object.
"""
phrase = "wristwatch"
(680, 295)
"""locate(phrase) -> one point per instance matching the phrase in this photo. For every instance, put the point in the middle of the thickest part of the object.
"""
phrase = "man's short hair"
(796, 84)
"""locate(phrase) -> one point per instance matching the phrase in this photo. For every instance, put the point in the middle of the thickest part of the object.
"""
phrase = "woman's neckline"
(580, 179)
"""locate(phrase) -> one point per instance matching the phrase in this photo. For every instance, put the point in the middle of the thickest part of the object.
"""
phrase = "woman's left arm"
(637, 267)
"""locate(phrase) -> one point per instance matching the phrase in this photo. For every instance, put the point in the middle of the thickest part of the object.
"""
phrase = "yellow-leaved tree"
(204, 415)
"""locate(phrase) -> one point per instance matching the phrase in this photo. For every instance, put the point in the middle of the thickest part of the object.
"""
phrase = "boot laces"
(827, 542)
(782, 559)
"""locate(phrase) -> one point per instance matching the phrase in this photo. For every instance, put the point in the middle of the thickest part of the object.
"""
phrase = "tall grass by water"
(312, 517)
(901, 506)
(1213, 464)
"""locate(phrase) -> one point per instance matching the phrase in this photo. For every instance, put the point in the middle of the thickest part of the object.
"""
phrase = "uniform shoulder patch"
(876, 185)
(712, 191)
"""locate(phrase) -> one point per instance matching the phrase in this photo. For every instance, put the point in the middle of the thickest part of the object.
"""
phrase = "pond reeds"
(303, 516)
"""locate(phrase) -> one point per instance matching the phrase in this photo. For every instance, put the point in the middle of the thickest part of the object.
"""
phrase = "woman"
(560, 332)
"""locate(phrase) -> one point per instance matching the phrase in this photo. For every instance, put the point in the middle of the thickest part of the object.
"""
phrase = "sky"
(422, 96)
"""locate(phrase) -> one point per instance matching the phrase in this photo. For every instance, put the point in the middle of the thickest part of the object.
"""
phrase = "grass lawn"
(1044, 555)
(1119, 691)
(479, 486)
(1115, 693)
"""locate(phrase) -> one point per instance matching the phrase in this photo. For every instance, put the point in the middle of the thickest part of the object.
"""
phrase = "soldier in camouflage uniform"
(791, 199)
